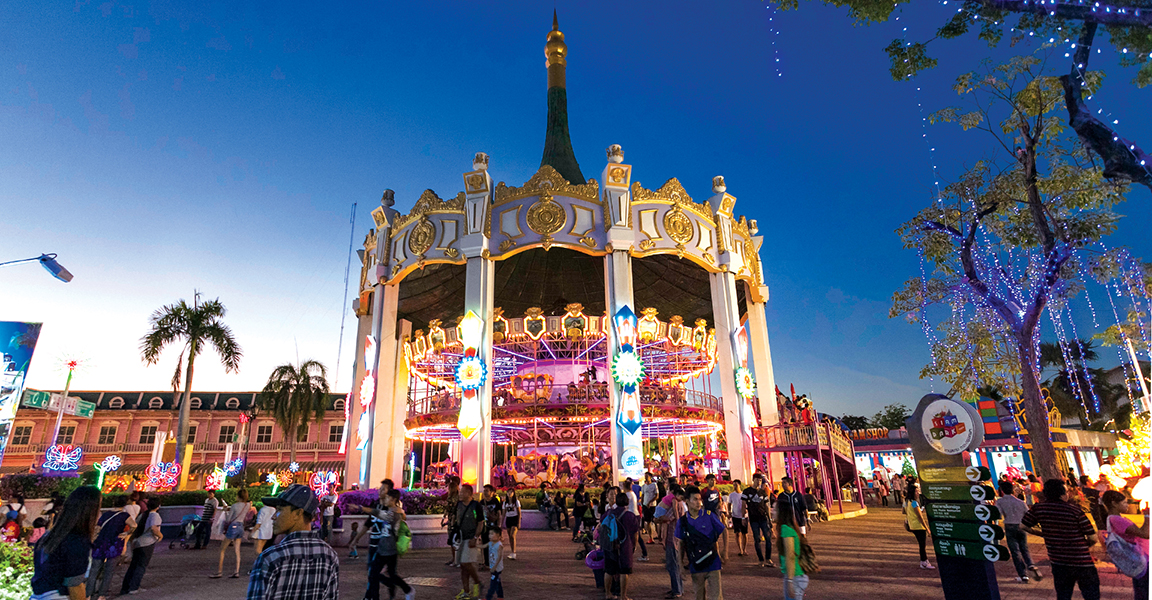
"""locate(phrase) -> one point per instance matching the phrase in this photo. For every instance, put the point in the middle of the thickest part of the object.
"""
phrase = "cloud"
(277, 73)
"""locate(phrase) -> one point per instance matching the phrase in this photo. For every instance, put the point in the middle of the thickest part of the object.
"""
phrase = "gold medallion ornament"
(421, 237)
(545, 216)
(678, 226)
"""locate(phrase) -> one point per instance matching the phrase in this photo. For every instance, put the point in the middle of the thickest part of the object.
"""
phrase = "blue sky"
(160, 149)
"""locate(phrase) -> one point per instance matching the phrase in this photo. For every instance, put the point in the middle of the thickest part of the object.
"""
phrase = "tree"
(1129, 30)
(296, 395)
(892, 417)
(854, 422)
(907, 469)
(1077, 389)
(1011, 238)
(193, 327)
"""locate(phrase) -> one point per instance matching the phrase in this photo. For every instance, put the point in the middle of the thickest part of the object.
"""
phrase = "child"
(355, 539)
(39, 526)
(496, 562)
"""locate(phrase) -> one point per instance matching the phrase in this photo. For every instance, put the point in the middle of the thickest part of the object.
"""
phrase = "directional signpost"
(940, 431)
(46, 401)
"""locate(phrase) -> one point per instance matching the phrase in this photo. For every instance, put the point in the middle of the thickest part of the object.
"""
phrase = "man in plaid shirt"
(302, 566)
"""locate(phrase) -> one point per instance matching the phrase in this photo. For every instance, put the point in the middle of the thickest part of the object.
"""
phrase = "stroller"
(585, 538)
(187, 531)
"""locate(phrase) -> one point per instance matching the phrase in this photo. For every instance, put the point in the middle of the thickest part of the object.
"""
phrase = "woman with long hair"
(61, 556)
(916, 521)
(143, 543)
(263, 530)
(512, 510)
(788, 541)
(233, 532)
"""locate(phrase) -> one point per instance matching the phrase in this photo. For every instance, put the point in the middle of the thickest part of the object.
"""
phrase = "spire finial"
(557, 144)
(555, 21)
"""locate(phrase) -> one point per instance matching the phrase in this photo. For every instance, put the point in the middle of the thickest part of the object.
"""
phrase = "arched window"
(116, 402)
(195, 403)
(156, 402)
(338, 405)
(232, 403)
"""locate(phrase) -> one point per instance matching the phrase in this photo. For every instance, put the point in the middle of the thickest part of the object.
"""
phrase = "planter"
(426, 531)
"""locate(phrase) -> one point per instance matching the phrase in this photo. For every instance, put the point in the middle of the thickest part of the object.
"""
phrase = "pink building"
(126, 424)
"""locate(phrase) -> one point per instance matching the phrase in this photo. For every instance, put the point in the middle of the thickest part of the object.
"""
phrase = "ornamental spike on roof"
(558, 151)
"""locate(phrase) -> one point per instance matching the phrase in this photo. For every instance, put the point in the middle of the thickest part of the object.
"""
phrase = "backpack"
(699, 546)
(611, 536)
(1125, 555)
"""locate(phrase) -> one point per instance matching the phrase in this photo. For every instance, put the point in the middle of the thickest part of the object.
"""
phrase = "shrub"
(416, 502)
(31, 485)
(189, 498)
(15, 571)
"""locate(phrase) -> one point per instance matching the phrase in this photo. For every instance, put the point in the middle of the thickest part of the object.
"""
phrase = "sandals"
(235, 575)
(216, 576)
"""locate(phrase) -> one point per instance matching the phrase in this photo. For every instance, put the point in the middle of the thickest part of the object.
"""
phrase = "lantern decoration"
(627, 371)
(324, 482)
(215, 480)
(294, 467)
(110, 463)
(367, 393)
(233, 467)
(63, 457)
(471, 374)
(163, 475)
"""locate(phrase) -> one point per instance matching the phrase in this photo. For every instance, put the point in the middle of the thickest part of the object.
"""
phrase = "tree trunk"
(1044, 463)
(185, 408)
(292, 444)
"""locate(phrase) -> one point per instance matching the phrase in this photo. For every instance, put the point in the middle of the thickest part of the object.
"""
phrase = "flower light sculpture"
(233, 467)
(294, 467)
(471, 373)
(216, 480)
(163, 475)
(367, 394)
(63, 457)
(275, 481)
(324, 482)
(110, 463)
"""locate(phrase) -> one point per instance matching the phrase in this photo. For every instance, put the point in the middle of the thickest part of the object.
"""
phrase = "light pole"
(48, 261)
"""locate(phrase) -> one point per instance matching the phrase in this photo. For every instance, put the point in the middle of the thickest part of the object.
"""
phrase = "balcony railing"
(664, 397)
(803, 435)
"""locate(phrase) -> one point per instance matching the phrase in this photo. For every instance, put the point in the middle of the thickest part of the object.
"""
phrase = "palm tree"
(296, 395)
(193, 327)
(1075, 379)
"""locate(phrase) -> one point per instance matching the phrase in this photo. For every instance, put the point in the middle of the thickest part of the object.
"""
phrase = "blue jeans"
(801, 585)
(1017, 540)
(1065, 578)
(761, 528)
(672, 563)
(495, 586)
(100, 572)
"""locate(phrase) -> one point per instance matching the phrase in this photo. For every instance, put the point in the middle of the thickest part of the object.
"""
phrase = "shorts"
(464, 554)
(739, 525)
(613, 567)
(649, 513)
(513, 521)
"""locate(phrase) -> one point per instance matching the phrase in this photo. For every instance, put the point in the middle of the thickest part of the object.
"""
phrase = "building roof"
(138, 400)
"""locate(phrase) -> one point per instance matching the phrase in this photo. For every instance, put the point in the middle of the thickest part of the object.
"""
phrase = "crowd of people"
(77, 546)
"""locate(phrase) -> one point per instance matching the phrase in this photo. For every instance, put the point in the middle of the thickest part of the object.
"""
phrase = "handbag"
(807, 558)
(403, 538)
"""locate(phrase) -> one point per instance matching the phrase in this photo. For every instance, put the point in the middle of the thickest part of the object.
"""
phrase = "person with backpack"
(618, 532)
(61, 558)
(15, 513)
(1127, 544)
(698, 532)
(470, 525)
(109, 545)
(789, 542)
(233, 532)
(1068, 535)
(386, 521)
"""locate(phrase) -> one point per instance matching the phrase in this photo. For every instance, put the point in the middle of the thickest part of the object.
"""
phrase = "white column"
(389, 349)
(351, 454)
(476, 453)
(393, 424)
(726, 313)
(762, 362)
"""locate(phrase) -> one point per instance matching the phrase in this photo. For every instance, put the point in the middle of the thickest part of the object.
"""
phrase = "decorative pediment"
(428, 203)
(671, 192)
(550, 181)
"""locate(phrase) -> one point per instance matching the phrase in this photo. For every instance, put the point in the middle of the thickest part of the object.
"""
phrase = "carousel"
(566, 329)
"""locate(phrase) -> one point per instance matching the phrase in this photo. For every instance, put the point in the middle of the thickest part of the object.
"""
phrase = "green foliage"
(37, 486)
(855, 422)
(15, 571)
(907, 468)
(296, 395)
(190, 497)
(891, 417)
(908, 59)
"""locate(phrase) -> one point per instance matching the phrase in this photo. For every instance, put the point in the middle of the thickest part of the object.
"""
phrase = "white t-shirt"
(133, 510)
(736, 499)
(264, 520)
(632, 505)
(648, 493)
(148, 538)
(331, 510)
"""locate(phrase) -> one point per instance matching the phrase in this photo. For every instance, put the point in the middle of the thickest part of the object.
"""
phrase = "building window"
(148, 434)
(116, 402)
(156, 403)
(338, 405)
(67, 432)
(227, 433)
(335, 433)
(21, 435)
(232, 403)
(191, 434)
(264, 434)
(107, 434)
(195, 403)
(302, 434)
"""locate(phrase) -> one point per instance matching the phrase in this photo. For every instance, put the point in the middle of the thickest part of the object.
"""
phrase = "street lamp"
(49, 262)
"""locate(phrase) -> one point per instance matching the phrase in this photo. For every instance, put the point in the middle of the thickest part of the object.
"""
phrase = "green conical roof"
(558, 152)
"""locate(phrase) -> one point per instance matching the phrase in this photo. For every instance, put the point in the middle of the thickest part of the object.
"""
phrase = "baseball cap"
(296, 495)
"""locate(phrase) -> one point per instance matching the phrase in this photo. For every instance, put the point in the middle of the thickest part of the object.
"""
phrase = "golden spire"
(556, 51)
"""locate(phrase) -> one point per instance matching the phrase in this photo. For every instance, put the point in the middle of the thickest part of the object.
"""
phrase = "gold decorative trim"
(546, 216)
(741, 228)
(678, 226)
(421, 237)
(670, 193)
(548, 180)
(507, 245)
(647, 244)
(588, 241)
(430, 203)
(546, 242)
(451, 252)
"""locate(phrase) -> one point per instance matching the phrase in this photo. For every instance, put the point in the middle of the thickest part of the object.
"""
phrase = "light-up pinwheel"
(63, 457)
(471, 373)
(163, 475)
(324, 482)
(110, 463)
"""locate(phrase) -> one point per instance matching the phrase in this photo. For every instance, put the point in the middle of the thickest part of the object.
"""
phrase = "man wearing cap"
(301, 566)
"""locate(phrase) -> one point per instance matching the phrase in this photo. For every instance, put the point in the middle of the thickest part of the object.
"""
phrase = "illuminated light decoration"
(324, 482)
(163, 475)
(535, 325)
(110, 463)
(367, 393)
(244, 418)
(499, 325)
(63, 457)
(436, 336)
(234, 467)
(677, 331)
(274, 480)
(294, 467)
(574, 322)
(215, 480)
(628, 372)
(471, 374)
(745, 383)
(648, 327)
(700, 335)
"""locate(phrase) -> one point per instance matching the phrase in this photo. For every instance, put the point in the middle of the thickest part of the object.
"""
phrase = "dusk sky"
(159, 150)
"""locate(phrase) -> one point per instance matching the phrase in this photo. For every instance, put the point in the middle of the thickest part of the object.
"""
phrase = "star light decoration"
(628, 371)
(110, 463)
(294, 467)
(471, 373)
(163, 475)
(63, 457)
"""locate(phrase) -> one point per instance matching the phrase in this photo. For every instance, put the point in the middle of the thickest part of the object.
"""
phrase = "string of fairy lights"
(772, 34)
(1007, 278)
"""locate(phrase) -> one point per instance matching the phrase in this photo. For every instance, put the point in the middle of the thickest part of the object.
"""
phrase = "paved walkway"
(866, 557)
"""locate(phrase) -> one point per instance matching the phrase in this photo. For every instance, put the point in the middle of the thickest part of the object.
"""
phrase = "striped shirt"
(300, 567)
(1064, 526)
